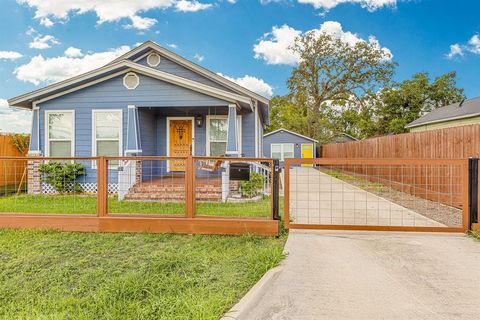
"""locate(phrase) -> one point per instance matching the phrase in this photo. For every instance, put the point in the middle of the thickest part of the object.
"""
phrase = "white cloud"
(232, 1)
(273, 47)
(191, 6)
(198, 57)
(13, 120)
(108, 11)
(140, 23)
(252, 83)
(472, 46)
(41, 41)
(455, 50)
(73, 52)
(370, 5)
(40, 69)
(46, 22)
(172, 45)
(10, 55)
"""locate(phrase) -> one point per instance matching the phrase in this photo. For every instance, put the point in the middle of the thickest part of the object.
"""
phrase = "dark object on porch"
(239, 171)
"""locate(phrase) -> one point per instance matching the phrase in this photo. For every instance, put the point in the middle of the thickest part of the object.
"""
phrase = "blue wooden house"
(148, 102)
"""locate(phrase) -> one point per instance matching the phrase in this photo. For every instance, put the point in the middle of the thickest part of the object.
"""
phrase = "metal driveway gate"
(378, 194)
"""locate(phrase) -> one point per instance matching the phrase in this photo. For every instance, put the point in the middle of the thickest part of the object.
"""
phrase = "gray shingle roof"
(469, 108)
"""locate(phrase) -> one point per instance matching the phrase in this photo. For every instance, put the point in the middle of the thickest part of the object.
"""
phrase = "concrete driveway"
(318, 198)
(374, 275)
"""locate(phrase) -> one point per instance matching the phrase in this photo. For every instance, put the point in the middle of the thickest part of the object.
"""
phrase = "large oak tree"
(330, 72)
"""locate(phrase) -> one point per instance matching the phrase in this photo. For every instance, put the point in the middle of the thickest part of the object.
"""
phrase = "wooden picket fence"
(449, 143)
(11, 172)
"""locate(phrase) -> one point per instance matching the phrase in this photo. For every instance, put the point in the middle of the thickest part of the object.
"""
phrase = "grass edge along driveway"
(69, 275)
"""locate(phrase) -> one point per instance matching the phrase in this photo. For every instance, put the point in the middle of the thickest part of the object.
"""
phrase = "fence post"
(472, 191)
(102, 187)
(190, 187)
(276, 189)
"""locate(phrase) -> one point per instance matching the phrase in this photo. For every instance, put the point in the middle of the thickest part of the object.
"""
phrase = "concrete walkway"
(373, 275)
(318, 198)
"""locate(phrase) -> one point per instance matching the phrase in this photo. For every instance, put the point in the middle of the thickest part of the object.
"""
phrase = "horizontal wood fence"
(449, 143)
(10, 170)
(143, 194)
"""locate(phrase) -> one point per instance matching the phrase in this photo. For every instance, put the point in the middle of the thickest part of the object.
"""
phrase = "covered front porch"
(181, 132)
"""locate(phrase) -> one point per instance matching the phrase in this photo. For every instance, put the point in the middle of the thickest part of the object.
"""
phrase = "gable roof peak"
(149, 44)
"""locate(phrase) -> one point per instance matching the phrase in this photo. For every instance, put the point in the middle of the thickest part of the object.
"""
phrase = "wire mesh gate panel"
(370, 194)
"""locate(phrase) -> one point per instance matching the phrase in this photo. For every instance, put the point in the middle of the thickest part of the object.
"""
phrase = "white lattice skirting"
(87, 188)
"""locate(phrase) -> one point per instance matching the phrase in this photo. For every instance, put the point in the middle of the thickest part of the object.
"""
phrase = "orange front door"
(180, 142)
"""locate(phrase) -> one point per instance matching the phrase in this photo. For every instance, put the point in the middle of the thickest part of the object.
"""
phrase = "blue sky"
(43, 41)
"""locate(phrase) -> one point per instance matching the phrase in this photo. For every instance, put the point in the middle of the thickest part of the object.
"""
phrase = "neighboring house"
(344, 137)
(148, 102)
(458, 114)
(282, 143)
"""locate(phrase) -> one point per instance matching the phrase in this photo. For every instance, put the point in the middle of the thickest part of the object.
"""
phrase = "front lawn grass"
(84, 204)
(67, 275)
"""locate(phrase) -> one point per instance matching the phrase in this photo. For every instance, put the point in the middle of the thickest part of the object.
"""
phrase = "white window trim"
(239, 132)
(154, 64)
(125, 78)
(282, 149)
(168, 135)
(94, 135)
(47, 131)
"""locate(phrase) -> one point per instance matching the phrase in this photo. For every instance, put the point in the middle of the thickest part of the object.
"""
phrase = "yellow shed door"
(307, 152)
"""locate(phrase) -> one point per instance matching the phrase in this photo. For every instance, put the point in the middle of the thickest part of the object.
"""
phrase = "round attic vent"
(131, 81)
(153, 59)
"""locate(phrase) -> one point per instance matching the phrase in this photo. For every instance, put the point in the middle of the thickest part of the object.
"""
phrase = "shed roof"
(469, 108)
(291, 132)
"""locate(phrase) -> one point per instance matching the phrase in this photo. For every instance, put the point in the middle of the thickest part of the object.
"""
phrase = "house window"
(217, 132)
(282, 151)
(107, 133)
(60, 133)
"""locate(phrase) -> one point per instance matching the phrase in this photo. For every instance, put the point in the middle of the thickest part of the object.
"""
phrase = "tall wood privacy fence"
(449, 143)
(10, 170)
(432, 183)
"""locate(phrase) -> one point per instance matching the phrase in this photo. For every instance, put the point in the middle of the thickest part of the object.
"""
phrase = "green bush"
(62, 176)
(252, 187)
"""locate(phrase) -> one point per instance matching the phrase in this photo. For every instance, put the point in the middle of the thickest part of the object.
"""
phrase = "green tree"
(329, 72)
(411, 99)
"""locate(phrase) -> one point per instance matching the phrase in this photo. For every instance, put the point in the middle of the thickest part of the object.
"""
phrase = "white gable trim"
(294, 133)
(197, 86)
(131, 66)
(192, 66)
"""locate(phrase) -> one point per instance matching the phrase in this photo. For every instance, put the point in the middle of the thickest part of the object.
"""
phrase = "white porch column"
(133, 132)
(130, 172)
(34, 148)
(232, 131)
